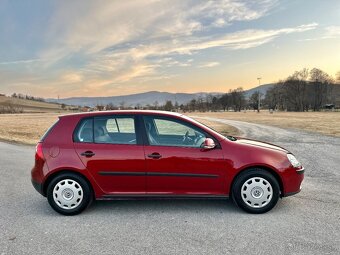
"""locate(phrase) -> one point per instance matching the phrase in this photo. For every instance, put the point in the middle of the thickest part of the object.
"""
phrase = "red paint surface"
(223, 162)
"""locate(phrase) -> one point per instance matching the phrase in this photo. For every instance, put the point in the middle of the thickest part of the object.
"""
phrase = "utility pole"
(259, 96)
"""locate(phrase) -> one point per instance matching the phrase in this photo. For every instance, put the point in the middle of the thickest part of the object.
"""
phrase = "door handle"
(155, 155)
(88, 154)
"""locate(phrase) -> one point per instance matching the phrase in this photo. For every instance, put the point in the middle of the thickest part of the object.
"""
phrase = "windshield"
(231, 138)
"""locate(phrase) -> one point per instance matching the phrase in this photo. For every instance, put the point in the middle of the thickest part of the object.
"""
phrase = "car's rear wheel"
(256, 191)
(69, 194)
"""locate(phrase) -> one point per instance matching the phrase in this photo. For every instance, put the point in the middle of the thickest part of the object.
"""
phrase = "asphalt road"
(307, 223)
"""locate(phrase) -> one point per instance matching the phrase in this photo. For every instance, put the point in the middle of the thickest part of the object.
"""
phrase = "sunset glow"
(108, 48)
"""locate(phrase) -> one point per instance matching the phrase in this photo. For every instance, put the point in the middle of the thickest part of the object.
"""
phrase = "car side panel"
(117, 168)
(60, 154)
(243, 157)
(185, 171)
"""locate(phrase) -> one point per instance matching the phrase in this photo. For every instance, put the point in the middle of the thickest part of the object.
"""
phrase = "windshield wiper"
(231, 138)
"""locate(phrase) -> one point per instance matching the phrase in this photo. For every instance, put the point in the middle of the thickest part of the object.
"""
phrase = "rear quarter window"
(84, 131)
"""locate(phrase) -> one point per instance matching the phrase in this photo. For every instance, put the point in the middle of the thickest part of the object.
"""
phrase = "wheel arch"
(261, 167)
(65, 171)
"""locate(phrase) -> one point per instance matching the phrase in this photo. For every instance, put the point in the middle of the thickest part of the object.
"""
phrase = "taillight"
(39, 152)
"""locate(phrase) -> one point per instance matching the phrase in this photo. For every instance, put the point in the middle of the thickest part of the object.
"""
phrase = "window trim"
(180, 121)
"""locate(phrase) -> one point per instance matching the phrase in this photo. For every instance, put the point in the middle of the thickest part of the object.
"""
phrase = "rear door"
(176, 163)
(110, 148)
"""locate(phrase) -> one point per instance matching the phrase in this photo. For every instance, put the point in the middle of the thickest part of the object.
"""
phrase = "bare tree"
(321, 90)
(338, 77)
(168, 106)
(237, 99)
(110, 106)
(122, 105)
(10, 108)
(192, 105)
(156, 104)
(225, 101)
(294, 90)
(302, 91)
(275, 98)
(253, 100)
(100, 107)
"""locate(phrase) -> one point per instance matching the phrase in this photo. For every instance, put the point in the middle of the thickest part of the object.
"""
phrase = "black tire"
(81, 194)
(256, 191)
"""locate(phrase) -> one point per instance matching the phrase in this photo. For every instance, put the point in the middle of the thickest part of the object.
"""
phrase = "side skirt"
(151, 197)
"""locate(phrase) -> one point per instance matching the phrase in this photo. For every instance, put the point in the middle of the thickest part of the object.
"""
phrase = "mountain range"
(145, 98)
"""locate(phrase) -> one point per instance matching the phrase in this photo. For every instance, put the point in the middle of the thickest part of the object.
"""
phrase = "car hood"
(260, 144)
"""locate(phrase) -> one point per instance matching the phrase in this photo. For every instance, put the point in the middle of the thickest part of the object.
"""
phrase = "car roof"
(134, 112)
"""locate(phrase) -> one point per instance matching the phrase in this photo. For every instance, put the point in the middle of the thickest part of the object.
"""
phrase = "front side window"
(172, 132)
(114, 130)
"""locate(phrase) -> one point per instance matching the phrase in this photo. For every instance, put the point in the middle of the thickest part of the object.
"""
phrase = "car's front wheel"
(69, 194)
(256, 191)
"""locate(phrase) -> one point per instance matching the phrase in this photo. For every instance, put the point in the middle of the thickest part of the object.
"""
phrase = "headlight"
(292, 159)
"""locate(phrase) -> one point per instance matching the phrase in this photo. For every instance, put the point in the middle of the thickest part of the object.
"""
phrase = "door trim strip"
(157, 174)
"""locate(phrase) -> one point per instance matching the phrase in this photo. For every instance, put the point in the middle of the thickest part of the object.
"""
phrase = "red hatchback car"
(154, 154)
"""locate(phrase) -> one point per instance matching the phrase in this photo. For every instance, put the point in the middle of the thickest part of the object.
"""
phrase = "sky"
(107, 48)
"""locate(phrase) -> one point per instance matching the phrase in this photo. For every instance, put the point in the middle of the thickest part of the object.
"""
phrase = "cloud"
(238, 40)
(333, 31)
(114, 43)
(146, 61)
(89, 27)
(22, 61)
(209, 64)
(72, 77)
(329, 32)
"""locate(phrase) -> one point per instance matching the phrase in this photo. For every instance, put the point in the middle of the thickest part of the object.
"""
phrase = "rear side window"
(120, 125)
(48, 131)
(106, 130)
(115, 130)
(84, 132)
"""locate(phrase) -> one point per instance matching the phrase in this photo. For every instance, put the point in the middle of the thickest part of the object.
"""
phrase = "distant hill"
(263, 89)
(145, 98)
(24, 105)
(141, 99)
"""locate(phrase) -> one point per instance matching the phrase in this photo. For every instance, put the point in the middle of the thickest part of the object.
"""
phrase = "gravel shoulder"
(307, 223)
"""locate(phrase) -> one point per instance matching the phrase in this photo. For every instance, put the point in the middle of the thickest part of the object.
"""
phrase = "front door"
(176, 163)
(111, 151)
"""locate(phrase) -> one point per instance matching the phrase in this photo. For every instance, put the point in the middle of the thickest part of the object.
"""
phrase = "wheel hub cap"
(68, 194)
(256, 192)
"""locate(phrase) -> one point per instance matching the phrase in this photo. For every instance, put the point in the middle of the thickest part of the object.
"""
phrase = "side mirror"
(208, 144)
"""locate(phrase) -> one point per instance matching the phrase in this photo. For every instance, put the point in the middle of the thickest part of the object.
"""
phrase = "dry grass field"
(327, 123)
(27, 128)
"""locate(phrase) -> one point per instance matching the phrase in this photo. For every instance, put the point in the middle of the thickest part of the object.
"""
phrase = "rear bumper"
(38, 186)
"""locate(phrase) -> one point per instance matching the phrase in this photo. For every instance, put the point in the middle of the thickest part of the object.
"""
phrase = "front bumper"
(292, 179)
